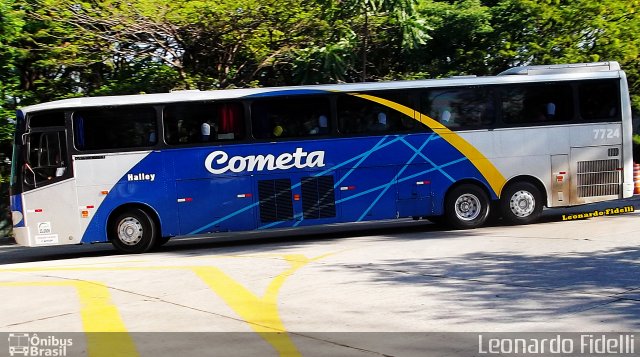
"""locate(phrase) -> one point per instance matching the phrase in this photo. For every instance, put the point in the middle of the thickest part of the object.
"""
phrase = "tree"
(461, 33)
(564, 31)
(388, 27)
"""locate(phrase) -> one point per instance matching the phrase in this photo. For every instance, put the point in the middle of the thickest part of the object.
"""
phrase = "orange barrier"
(636, 179)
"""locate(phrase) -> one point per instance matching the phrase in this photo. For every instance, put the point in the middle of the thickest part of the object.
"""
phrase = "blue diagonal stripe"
(388, 185)
(401, 180)
(419, 152)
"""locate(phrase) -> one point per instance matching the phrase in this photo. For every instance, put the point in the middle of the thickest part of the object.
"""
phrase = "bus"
(137, 170)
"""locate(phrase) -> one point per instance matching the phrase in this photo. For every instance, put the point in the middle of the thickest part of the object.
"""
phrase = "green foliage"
(462, 33)
(51, 49)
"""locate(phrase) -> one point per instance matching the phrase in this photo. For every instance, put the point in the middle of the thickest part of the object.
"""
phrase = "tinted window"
(203, 122)
(536, 104)
(358, 115)
(460, 107)
(290, 117)
(46, 159)
(599, 100)
(115, 128)
(41, 120)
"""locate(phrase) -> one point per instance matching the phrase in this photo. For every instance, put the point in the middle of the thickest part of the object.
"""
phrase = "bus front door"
(49, 200)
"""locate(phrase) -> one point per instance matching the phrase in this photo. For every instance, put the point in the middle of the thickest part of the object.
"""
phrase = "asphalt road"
(390, 289)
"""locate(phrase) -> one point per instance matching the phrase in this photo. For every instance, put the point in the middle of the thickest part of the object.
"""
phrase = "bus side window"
(599, 100)
(357, 115)
(46, 158)
(290, 117)
(45, 155)
(537, 104)
(351, 115)
(230, 123)
(193, 123)
(110, 128)
(463, 108)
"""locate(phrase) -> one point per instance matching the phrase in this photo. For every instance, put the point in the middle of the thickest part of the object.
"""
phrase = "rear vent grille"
(318, 198)
(613, 152)
(598, 178)
(275, 200)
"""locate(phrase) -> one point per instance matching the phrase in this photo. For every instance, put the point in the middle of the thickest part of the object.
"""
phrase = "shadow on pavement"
(520, 287)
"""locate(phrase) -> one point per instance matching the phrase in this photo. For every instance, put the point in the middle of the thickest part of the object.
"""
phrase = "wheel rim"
(468, 207)
(522, 203)
(130, 231)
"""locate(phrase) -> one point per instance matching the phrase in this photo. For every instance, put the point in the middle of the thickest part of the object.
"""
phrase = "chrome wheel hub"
(468, 207)
(130, 231)
(522, 204)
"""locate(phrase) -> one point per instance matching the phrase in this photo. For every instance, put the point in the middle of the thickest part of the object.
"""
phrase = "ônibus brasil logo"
(24, 344)
(218, 162)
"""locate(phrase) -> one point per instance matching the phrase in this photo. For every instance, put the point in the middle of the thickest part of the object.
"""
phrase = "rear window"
(599, 100)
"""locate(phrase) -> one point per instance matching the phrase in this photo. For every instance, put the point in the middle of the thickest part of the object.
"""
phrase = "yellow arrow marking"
(261, 313)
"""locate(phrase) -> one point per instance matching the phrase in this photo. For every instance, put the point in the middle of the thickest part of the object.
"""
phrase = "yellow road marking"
(105, 330)
(486, 168)
(260, 313)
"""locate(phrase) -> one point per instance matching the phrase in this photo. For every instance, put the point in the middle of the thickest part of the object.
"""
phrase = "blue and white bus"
(137, 170)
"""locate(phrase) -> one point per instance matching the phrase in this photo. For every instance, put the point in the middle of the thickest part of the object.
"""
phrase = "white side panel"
(51, 215)
(104, 169)
(522, 151)
(528, 151)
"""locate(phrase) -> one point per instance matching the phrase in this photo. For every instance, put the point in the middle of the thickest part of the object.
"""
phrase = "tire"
(466, 206)
(133, 231)
(521, 203)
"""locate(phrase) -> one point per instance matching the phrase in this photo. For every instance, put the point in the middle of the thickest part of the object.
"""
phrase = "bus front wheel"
(521, 203)
(133, 231)
(466, 206)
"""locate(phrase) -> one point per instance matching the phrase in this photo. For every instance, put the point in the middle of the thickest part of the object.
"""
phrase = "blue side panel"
(215, 188)
(374, 178)
(16, 205)
(224, 202)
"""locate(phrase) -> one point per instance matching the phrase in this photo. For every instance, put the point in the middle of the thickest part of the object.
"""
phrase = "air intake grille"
(318, 198)
(275, 200)
(598, 178)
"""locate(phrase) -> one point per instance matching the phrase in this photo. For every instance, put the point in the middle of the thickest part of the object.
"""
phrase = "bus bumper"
(627, 189)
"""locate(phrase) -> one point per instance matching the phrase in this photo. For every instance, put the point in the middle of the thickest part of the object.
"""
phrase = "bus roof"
(533, 74)
(564, 68)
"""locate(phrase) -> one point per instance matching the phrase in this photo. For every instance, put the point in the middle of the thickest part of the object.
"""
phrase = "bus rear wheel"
(521, 203)
(133, 231)
(466, 206)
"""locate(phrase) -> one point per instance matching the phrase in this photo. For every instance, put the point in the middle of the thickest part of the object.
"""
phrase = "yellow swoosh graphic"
(486, 168)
